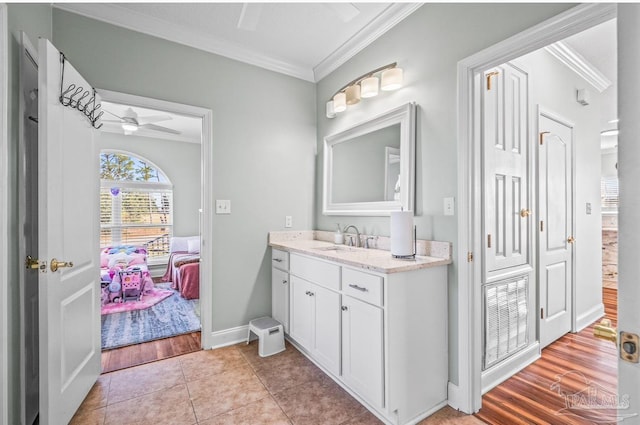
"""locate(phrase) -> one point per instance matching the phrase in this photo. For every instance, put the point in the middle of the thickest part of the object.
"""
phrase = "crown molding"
(386, 20)
(135, 21)
(578, 64)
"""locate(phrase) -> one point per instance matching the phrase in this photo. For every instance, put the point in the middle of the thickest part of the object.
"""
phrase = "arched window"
(136, 203)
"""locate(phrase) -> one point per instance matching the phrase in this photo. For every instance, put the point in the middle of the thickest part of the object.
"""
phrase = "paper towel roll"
(402, 233)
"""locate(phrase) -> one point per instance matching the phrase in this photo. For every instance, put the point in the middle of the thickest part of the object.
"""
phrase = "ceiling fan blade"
(153, 118)
(160, 128)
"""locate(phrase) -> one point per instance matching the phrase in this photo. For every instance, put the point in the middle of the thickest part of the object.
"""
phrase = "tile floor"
(231, 385)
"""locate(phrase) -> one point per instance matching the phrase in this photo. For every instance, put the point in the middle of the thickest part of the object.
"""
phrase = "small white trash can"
(270, 335)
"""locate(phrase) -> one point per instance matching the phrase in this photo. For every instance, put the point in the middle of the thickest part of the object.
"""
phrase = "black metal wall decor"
(78, 98)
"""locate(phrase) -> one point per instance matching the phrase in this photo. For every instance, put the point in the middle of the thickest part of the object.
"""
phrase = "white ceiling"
(305, 40)
(598, 47)
(190, 128)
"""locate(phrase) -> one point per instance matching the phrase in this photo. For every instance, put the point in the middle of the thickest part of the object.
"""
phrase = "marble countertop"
(377, 260)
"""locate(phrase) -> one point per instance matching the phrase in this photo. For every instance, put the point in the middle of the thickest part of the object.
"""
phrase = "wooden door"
(362, 350)
(326, 335)
(301, 314)
(280, 297)
(555, 242)
(505, 169)
(69, 298)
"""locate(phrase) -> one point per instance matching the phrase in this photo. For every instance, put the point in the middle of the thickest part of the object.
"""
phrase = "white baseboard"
(587, 318)
(227, 337)
(514, 364)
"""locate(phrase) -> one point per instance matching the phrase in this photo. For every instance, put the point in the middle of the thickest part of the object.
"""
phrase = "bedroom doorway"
(152, 200)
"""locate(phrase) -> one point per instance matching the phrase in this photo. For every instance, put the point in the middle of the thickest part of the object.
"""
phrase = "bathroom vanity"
(376, 325)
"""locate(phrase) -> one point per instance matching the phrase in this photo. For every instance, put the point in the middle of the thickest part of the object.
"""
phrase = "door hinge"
(542, 313)
(541, 225)
(489, 75)
(542, 136)
(469, 257)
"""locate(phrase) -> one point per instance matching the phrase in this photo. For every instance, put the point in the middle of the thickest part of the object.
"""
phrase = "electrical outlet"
(288, 221)
(449, 206)
(223, 206)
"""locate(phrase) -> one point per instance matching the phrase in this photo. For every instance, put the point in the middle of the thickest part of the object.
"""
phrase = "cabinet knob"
(284, 282)
(307, 293)
(345, 308)
(279, 260)
(311, 294)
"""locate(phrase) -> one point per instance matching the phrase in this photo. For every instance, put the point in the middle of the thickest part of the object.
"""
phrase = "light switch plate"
(288, 221)
(223, 206)
(449, 207)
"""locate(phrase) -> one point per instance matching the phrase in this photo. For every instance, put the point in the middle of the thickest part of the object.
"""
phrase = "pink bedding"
(184, 278)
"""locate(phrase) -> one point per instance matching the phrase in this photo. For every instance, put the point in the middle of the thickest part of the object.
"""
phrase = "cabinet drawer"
(364, 286)
(280, 259)
(316, 271)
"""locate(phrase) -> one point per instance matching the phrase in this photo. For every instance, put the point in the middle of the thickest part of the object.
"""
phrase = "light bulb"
(129, 127)
(353, 94)
(391, 79)
(369, 87)
(331, 113)
(340, 102)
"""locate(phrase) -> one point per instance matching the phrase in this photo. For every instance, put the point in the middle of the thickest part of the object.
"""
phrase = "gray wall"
(427, 45)
(553, 87)
(180, 161)
(263, 143)
(35, 20)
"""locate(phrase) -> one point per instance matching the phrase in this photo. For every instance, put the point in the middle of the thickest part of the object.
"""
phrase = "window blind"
(137, 216)
(609, 193)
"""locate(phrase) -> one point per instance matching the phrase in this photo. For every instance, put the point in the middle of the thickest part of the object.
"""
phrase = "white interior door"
(69, 308)
(555, 201)
(506, 169)
(629, 229)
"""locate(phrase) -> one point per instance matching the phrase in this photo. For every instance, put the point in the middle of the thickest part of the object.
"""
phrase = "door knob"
(525, 212)
(571, 239)
(55, 264)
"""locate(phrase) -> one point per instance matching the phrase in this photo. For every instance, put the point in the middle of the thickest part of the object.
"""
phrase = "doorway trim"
(4, 212)
(206, 194)
(466, 395)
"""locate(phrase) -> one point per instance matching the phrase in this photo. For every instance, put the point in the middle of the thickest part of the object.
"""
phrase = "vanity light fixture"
(129, 127)
(365, 86)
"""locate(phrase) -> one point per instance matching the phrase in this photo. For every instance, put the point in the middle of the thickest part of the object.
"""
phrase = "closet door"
(506, 169)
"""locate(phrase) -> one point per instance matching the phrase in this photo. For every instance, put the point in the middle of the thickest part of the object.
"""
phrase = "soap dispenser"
(338, 237)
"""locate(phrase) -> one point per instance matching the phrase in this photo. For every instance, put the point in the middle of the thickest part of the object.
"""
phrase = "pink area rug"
(152, 298)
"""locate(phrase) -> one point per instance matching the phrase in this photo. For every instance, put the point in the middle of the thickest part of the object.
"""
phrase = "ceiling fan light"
(369, 87)
(391, 79)
(353, 94)
(129, 127)
(340, 102)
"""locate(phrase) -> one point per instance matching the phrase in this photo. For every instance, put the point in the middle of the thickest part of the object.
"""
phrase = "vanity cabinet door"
(362, 349)
(301, 312)
(326, 341)
(280, 297)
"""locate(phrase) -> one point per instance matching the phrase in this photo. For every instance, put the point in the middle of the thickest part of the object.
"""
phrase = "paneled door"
(69, 298)
(555, 246)
(506, 169)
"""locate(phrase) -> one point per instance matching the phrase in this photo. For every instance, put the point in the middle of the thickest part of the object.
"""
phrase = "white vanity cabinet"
(382, 336)
(280, 287)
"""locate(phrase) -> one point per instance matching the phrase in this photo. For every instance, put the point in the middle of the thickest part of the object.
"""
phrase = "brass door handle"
(55, 264)
(571, 239)
(525, 212)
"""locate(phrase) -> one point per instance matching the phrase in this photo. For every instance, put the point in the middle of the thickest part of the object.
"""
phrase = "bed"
(183, 269)
(122, 260)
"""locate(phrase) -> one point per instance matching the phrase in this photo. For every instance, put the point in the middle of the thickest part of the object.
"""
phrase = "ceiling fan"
(131, 122)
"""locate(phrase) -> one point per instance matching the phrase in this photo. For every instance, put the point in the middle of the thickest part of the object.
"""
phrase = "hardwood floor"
(134, 355)
(576, 368)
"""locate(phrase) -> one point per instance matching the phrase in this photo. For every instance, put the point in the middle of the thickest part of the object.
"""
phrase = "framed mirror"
(369, 169)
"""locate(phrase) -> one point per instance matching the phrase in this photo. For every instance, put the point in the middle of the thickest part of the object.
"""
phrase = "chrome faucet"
(357, 233)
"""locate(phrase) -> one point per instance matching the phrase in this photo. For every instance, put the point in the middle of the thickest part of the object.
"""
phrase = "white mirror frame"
(403, 115)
